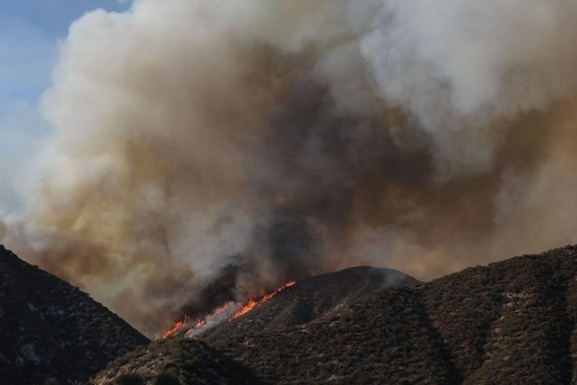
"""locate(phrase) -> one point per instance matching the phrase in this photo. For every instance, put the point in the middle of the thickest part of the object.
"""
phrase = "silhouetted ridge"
(52, 330)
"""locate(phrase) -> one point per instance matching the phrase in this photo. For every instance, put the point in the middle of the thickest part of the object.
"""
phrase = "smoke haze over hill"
(206, 151)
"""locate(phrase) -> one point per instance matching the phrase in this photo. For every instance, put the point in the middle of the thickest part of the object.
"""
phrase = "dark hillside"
(175, 361)
(386, 338)
(50, 331)
(511, 322)
(309, 299)
(192, 362)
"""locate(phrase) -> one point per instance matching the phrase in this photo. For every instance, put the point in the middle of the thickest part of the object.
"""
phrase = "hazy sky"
(30, 31)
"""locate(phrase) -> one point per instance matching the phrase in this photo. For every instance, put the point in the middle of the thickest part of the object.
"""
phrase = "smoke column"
(206, 151)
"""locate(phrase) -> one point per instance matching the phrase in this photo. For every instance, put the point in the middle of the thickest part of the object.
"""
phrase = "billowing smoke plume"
(205, 151)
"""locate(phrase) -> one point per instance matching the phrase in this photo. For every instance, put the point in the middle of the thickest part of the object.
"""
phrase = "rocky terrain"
(51, 332)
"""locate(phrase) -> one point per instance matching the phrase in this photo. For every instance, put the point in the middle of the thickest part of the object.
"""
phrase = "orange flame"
(183, 324)
(254, 303)
(177, 326)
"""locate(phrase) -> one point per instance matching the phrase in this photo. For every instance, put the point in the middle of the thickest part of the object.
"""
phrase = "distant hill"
(51, 332)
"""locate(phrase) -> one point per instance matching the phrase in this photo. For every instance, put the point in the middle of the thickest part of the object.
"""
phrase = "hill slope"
(193, 362)
(310, 299)
(510, 322)
(50, 329)
(175, 361)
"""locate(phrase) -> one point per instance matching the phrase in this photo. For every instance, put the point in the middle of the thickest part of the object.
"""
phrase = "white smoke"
(292, 137)
(460, 66)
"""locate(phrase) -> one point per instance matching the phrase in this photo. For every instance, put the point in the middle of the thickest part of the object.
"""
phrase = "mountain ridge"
(306, 300)
(51, 330)
(510, 321)
(312, 297)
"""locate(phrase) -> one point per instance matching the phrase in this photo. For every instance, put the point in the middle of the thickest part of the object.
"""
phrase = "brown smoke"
(205, 152)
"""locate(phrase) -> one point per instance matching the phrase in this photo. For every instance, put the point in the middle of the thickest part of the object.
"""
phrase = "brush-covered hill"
(51, 332)
(310, 299)
(513, 322)
(175, 361)
(190, 361)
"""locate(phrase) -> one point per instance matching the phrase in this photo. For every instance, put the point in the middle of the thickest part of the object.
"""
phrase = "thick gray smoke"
(206, 151)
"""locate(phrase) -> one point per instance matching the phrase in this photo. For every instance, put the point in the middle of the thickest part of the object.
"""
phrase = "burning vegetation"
(254, 303)
(193, 327)
(177, 327)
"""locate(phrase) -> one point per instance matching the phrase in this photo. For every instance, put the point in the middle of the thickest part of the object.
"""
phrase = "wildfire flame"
(187, 322)
(254, 303)
(177, 326)
(184, 324)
